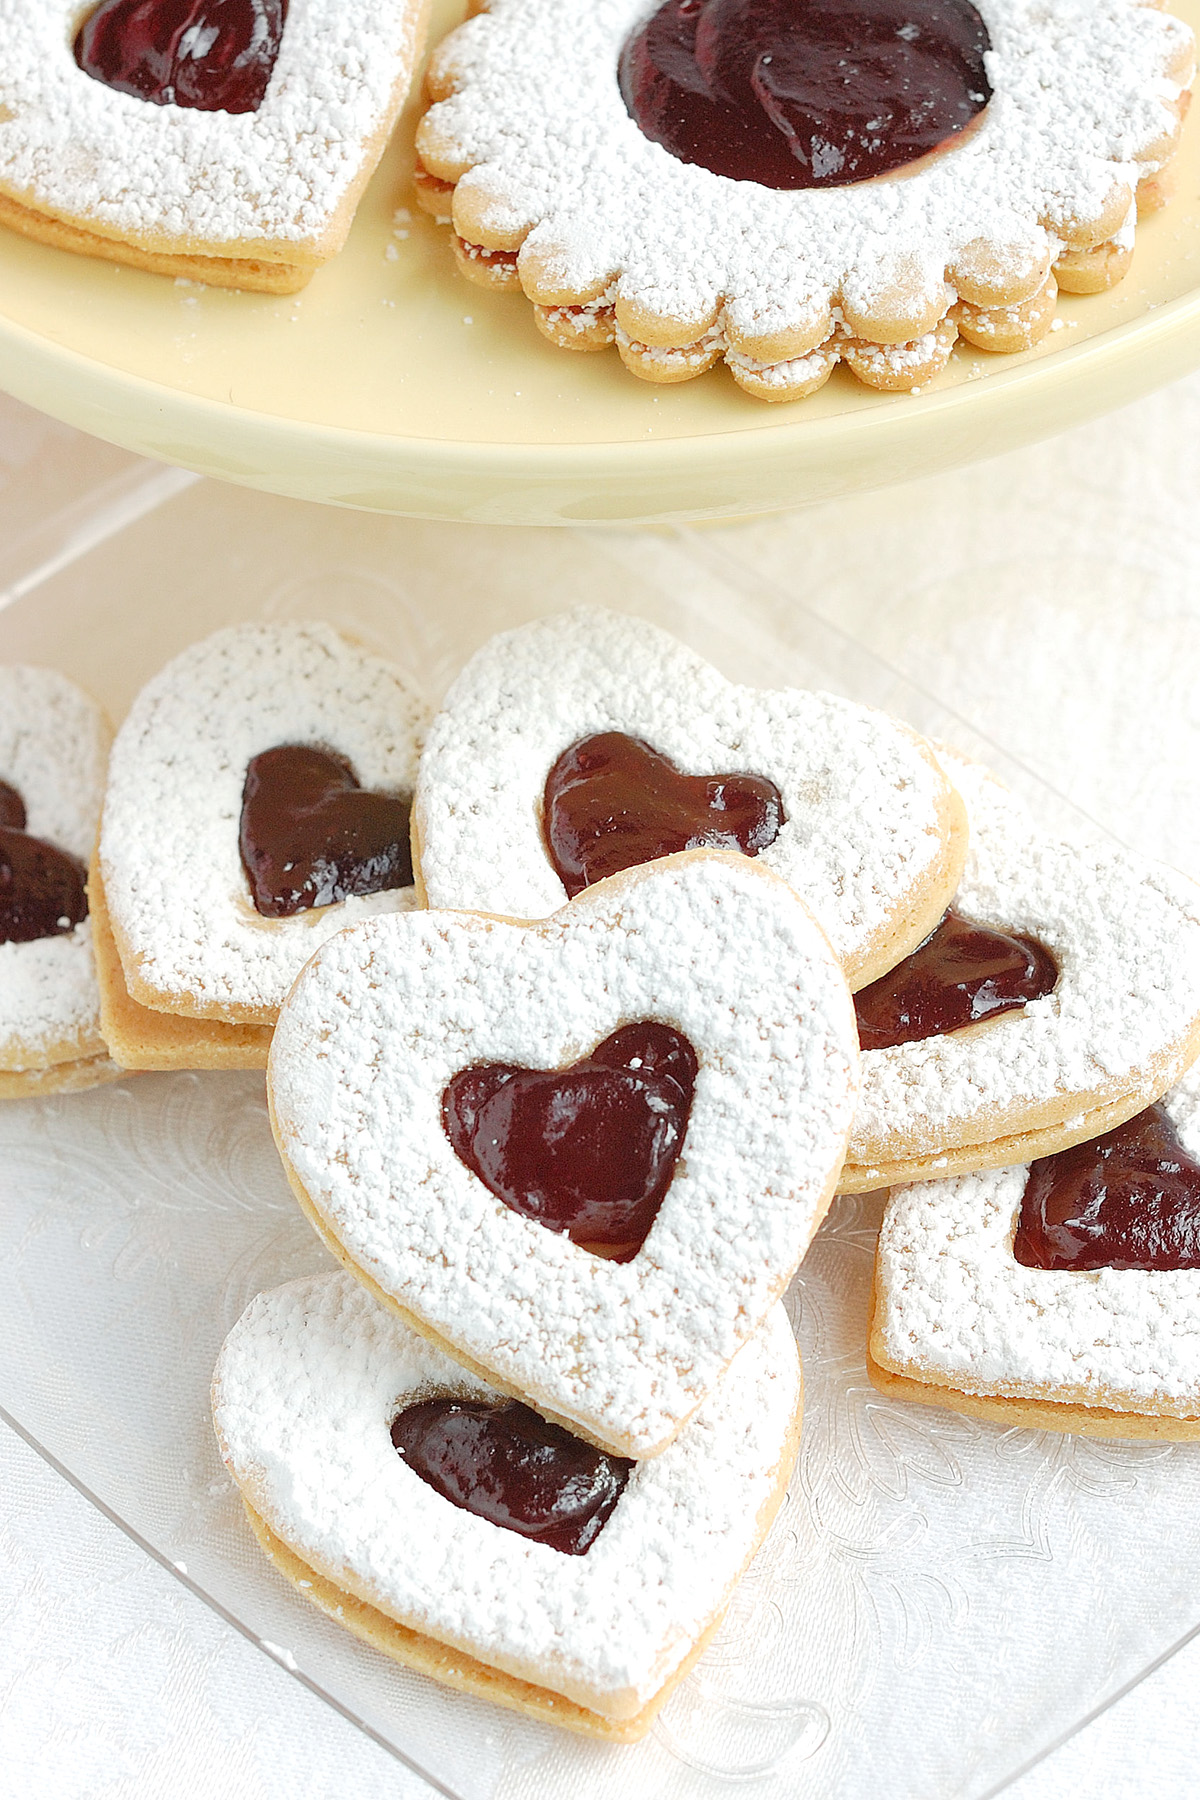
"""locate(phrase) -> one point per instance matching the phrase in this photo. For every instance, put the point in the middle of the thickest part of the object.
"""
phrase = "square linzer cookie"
(457, 1531)
(1063, 1294)
(258, 801)
(228, 142)
(53, 748)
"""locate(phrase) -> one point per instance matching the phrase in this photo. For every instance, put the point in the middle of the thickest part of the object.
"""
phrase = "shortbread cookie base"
(140, 1037)
(451, 1667)
(1024, 1146)
(1032, 1413)
(261, 274)
(60, 1078)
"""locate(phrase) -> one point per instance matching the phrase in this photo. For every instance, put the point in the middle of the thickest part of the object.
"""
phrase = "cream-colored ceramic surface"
(392, 384)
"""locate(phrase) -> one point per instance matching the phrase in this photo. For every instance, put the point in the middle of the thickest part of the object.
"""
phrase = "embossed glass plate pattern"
(938, 1600)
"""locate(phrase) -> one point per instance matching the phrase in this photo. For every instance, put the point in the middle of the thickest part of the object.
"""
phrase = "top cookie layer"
(530, 116)
(304, 1394)
(53, 749)
(172, 178)
(1120, 1026)
(387, 1013)
(190, 939)
(873, 840)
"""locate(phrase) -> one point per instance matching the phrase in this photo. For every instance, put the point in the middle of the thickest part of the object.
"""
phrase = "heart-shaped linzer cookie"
(226, 751)
(1110, 943)
(310, 835)
(727, 964)
(589, 1150)
(586, 743)
(306, 1396)
(1063, 1295)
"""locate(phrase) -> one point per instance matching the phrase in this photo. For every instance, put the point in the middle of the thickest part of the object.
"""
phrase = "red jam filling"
(214, 55)
(805, 93)
(1127, 1200)
(499, 1460)
(311, 835)
(42, 891)
(589, 1150)
(962, 973)
(613, 801)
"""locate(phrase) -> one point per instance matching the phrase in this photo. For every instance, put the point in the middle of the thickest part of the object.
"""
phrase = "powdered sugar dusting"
(304, 1395)
(1081, 92)
(1125, 933)
(958, 1305)
(173, 876)
(53, 749)
(863, 802)
(173, 175)
(386, 1013)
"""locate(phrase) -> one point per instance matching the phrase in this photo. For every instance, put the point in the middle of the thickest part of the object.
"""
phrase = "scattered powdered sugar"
(1125, 933)
(173, 875)
(175, 176)
(1081, 92)
(53, 749)
(956, 1304)
(864, 801)
(305, 1391)
(387, 1012)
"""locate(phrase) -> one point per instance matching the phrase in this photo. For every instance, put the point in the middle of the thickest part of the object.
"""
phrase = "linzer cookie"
(1061, 1295)
(1060, 996)
(789, 186)
(587, 743)
(53, 748)
(585, 1156)
(258, 801)
(458, 1533)
(224, 140)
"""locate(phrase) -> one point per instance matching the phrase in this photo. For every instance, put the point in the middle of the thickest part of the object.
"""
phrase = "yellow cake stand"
(391, 384)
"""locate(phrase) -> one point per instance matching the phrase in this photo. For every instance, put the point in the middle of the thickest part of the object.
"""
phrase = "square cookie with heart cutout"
(584, 1155)
(415, 1505)
(587, 743)
(224, 144)
(1060, 1295)
(54, 743)
(1059, 996)
(258, 800)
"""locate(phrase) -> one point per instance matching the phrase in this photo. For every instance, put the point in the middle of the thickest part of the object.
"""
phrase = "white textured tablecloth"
(1053, 597)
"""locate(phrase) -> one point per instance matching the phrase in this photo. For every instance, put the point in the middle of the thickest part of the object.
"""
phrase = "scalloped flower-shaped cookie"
(254, 200)
(304, 1395)
(555, 187)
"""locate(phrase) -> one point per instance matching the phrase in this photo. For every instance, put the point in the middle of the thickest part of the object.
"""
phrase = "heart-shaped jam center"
(805, 93)
(962, 973)
(214, 55)
(310, 835)
(42, 891)
(613, 801)
(1127, 1200)
(588, 1150)
(499, 1460)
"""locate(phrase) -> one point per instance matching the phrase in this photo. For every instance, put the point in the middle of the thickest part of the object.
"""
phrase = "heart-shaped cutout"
(613, 801)
(190, 940)
(53, 750)
(214, 55)
(310, 835)
(503, 1462)
(590, 1149)
(304, 1395)
(386, 1015)
(1101, 1347)
(963, 972)
(1118, 1026)
(847, 805)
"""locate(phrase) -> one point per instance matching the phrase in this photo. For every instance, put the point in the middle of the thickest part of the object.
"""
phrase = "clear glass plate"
(938, 1601)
